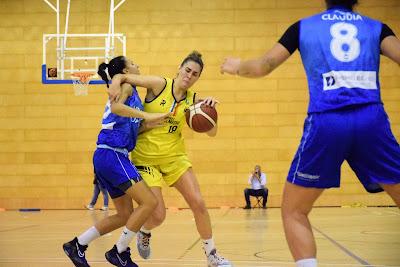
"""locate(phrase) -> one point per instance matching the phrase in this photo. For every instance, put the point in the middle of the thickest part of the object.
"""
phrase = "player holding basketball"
(113, 169)
(160, 152)
(346, 120)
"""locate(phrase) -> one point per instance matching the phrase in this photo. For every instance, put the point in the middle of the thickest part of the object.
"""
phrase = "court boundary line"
(344, 249)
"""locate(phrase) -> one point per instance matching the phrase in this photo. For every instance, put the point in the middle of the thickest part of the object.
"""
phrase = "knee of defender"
(123, 218)
(158, 217)
(289, 213)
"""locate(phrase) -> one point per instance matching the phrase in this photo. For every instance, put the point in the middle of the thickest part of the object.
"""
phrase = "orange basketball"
(201, 117)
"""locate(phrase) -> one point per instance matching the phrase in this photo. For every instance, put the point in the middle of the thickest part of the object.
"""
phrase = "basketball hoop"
(80, 81)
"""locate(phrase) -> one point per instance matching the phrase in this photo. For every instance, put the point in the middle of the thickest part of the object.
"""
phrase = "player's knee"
(123, 217)
(292, 213)
(149, 205)
(152, 203)
(158, 216)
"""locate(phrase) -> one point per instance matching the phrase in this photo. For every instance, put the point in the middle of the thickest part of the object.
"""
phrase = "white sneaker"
(89, 207)
(104, 208)
(215, 260)
(143, 244)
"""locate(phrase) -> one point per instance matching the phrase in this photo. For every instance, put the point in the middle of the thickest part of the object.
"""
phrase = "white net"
(80, 82)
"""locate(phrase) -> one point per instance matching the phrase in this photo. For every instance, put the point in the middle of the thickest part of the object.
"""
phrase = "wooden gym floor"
(345, 237)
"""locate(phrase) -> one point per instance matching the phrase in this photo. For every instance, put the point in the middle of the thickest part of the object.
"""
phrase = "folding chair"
(259, 202)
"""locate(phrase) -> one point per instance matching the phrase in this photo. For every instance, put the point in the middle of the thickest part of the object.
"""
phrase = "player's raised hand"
(211, 101)
(153, 120)
(114, 90)
(230, 65)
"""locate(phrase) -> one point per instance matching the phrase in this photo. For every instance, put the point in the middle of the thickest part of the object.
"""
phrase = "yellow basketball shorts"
(168, 172)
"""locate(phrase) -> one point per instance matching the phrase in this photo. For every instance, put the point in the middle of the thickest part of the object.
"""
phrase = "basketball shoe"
(76, 252)
(143, 244)
(89, 207)
(215, 260)
(122, 259)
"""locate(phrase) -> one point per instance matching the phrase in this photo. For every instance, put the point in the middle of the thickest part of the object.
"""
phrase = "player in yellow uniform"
(160, 152)
(165, 144)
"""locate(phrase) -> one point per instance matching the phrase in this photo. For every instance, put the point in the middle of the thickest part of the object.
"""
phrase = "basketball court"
(249, 238)
(51, 117)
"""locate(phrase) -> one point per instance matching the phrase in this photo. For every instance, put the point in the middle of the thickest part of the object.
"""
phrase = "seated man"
(258, 181)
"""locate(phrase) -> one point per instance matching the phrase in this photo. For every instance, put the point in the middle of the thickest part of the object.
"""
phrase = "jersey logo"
(307, 176)
(163, 102)
(80, 254)
(123, 263)
(350, 79)
(330, 81)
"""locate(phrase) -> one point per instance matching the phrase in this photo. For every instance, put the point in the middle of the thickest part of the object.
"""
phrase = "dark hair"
(349, 4)
(115, 66)
(195, 56)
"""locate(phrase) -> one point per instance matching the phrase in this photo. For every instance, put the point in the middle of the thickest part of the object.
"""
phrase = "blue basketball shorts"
(361, 135)
(114, 171)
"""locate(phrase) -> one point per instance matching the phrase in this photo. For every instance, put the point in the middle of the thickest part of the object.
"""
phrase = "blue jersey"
(340, 50)
(117, 131)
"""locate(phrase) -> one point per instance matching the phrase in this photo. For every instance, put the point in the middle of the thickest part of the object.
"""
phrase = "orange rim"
(84, 77)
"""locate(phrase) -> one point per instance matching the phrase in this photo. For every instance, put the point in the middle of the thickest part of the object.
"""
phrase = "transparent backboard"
(67, 53)
(79, 53)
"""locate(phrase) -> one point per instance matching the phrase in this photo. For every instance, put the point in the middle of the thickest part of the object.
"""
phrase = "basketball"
(201, 117)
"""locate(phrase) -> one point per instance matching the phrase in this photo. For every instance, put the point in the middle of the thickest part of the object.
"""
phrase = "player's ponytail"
(195, 56)
(101, 71)
(107, 71)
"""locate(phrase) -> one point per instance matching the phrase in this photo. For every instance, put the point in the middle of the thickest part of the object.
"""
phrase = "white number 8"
(345, 46)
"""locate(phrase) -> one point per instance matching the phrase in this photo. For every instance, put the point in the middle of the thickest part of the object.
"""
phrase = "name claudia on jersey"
(339, 15)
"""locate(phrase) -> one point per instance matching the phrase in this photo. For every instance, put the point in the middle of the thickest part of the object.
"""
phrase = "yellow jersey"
(162, 144)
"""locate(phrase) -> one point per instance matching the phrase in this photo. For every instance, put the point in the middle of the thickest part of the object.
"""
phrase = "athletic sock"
(88, 236)
(307, 263)
(125, 239)
(144, 230)
(208, 245)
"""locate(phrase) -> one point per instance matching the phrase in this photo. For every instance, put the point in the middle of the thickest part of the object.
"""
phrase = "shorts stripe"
(308, 130)
(122, 165)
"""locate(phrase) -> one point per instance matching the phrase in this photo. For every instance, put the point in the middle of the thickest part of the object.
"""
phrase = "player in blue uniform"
(114, 170)
(340, 50)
